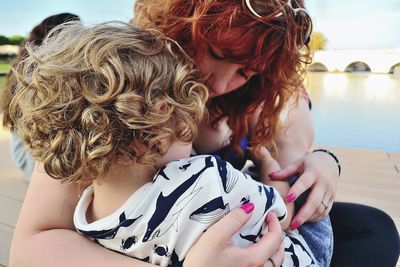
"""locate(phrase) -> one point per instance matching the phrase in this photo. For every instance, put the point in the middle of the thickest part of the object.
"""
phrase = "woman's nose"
(223, 80)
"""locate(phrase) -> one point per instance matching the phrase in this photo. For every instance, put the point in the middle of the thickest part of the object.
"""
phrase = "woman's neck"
(114, 188)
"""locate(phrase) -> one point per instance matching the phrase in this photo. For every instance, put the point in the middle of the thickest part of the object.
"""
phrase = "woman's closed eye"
(215, 54)
(246, 73)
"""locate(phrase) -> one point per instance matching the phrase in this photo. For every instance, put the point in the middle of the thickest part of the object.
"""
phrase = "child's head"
(91, 97)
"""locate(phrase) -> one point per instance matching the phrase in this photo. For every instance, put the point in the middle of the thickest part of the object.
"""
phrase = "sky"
(357, 23)
(346, 24)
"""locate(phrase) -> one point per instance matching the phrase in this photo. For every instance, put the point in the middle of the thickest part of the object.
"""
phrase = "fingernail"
(290, 197)
(294, 225)
(248, 207)
(273, 174)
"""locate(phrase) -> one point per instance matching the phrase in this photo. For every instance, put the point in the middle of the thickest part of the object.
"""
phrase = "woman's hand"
(317, 171)
(214, 248)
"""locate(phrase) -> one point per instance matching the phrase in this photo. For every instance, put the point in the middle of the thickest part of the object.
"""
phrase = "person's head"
(110, 94)
(249, 59)
(35, 37)
(40, 31)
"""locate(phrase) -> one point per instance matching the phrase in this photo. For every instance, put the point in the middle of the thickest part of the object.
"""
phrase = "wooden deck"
(13, 186)
(369, 177)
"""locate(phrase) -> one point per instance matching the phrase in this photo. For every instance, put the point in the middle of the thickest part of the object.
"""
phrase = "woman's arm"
(45, 236)
(297, 134)
(318, 171)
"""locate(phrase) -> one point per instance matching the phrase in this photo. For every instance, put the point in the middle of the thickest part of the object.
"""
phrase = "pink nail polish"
(294, 225)
(273, 174)
(290, 197)
(248, 207)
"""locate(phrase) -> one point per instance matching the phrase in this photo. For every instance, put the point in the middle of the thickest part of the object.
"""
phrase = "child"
(113, 104)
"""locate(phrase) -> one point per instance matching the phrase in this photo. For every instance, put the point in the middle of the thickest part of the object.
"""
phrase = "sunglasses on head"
(261, 8)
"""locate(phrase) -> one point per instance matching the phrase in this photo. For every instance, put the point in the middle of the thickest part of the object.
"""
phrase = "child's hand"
(268, 165)
(265, 162)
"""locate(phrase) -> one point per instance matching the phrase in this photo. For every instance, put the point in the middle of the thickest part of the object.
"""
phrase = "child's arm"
(267, 165)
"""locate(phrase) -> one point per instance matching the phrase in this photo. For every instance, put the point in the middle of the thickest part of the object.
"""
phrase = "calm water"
(357, 110)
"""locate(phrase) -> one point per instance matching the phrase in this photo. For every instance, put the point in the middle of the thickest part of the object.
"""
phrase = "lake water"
(356, 110)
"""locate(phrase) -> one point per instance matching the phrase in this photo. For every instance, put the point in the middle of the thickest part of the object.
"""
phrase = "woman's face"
(224, 76)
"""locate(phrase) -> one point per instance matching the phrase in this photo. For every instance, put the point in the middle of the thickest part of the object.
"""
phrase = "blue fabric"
(21, 156)
(232, 157)
(319, 237)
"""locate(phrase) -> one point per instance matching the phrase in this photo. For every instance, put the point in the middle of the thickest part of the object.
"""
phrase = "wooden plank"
(394, 156)
(13, 189)
(9, 211)
(367, 177)
(5, 242)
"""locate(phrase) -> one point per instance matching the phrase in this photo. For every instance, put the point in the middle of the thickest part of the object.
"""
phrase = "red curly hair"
(267, 45)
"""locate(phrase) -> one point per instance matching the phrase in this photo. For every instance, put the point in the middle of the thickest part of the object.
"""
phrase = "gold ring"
(325, 205)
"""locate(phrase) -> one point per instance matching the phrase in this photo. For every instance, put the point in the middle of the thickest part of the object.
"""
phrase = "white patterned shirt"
(161, 221)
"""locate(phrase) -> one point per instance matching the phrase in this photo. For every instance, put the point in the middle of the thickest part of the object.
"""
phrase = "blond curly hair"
(88, 93)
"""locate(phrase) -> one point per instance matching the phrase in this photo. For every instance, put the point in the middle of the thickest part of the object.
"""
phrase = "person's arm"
(266, 165)
(317, 171)
(45, 236)
(214, 248)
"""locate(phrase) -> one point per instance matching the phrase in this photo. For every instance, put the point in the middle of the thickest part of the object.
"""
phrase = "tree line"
(318, 40)
(11, 40)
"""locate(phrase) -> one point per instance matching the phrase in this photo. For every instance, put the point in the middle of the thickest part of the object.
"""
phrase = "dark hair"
(35, 38)
(39, 32)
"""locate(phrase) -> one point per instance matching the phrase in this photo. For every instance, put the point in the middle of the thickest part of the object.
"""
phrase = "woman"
(253, 53)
